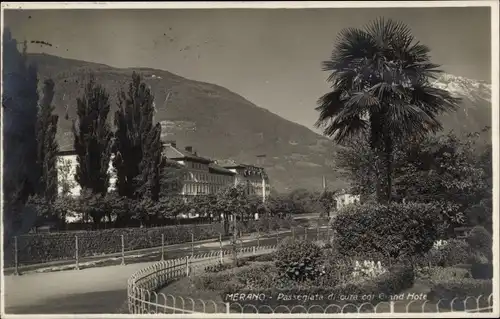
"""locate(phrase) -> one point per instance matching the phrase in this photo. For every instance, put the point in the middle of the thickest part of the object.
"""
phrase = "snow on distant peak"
(460, 86)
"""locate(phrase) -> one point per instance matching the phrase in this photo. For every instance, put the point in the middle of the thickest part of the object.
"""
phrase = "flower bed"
(40, 248)
(262, 279)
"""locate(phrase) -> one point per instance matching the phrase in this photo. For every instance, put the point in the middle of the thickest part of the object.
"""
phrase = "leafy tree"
(205, 205)
(449, 171)
(173, 206)
(92, 139)
(171, 179)
(55, 211)
(19, 102)
(233, 201)
(381, 87)
(119, 207)
(283, 205)
(91, 206)
(151, 165)
(47, 147)
(137, 142)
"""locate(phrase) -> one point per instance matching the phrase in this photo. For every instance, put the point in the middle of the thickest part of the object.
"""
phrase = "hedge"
(447, 290)
(40, 248)
(378, 232)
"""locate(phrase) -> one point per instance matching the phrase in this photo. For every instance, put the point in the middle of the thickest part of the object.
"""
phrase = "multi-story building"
(254, 177)
(201, 175)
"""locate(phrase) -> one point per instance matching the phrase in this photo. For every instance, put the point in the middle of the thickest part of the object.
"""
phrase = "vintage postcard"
(250, 159)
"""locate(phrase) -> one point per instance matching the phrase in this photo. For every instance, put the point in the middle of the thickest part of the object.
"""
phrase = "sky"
(272, 57)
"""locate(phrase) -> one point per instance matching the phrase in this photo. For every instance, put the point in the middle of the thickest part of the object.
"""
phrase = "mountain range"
(221, 124)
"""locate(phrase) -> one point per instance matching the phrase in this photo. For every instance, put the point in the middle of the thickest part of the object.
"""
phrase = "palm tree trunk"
(388, 150)
(375, 134)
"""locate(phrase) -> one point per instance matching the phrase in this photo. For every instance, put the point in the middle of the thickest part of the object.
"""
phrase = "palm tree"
(381, 86)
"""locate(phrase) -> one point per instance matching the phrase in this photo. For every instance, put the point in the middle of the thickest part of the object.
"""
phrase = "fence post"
(192, 244)
(162, 247)
(123, 249)
(16, 261)
(228, 308)
(391, 306)
(187, 266)
(305, 233)
(220, 246)
(77, 266)
(253, 250)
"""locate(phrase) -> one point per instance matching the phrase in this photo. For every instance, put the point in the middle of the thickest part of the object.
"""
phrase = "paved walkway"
(27, 293)
(91, 290)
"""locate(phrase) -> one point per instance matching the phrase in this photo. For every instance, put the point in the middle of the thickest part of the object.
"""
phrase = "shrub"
(480, 240)
(298, 260)
(377, 232)
(454, 252)
(443, 273)
(259, 276)
(259, 258)
(234, 279)
(217, 268)
(482, 271)
(336, 268)
(447, 290)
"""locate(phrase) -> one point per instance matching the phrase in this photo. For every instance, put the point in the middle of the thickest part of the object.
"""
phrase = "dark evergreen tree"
(19, 102)
(47, 146)
(151, 165)
(92, 139)
(137, 146)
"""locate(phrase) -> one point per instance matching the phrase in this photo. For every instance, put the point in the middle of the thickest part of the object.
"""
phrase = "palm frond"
(342, 128)
(433, 99)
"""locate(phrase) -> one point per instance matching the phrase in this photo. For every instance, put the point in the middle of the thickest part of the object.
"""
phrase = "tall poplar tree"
(137, 146)
(19, 102)
(47, 146)
(92, 139)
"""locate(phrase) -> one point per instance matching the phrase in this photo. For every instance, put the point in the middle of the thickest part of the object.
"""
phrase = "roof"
(219, 169)
(228, 164)
(175, 153)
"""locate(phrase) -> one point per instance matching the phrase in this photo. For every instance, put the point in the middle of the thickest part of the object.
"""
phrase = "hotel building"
(201, 175)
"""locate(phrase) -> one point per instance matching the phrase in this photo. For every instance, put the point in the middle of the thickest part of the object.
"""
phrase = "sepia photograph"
(265, 159)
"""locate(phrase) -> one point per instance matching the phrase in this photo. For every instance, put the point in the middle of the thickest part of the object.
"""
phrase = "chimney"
(172, 143)
(189, 149)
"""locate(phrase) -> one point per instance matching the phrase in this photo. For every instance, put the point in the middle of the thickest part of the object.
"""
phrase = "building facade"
(66, 169)
(254, 177)
(201, 176)
(344, 199)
